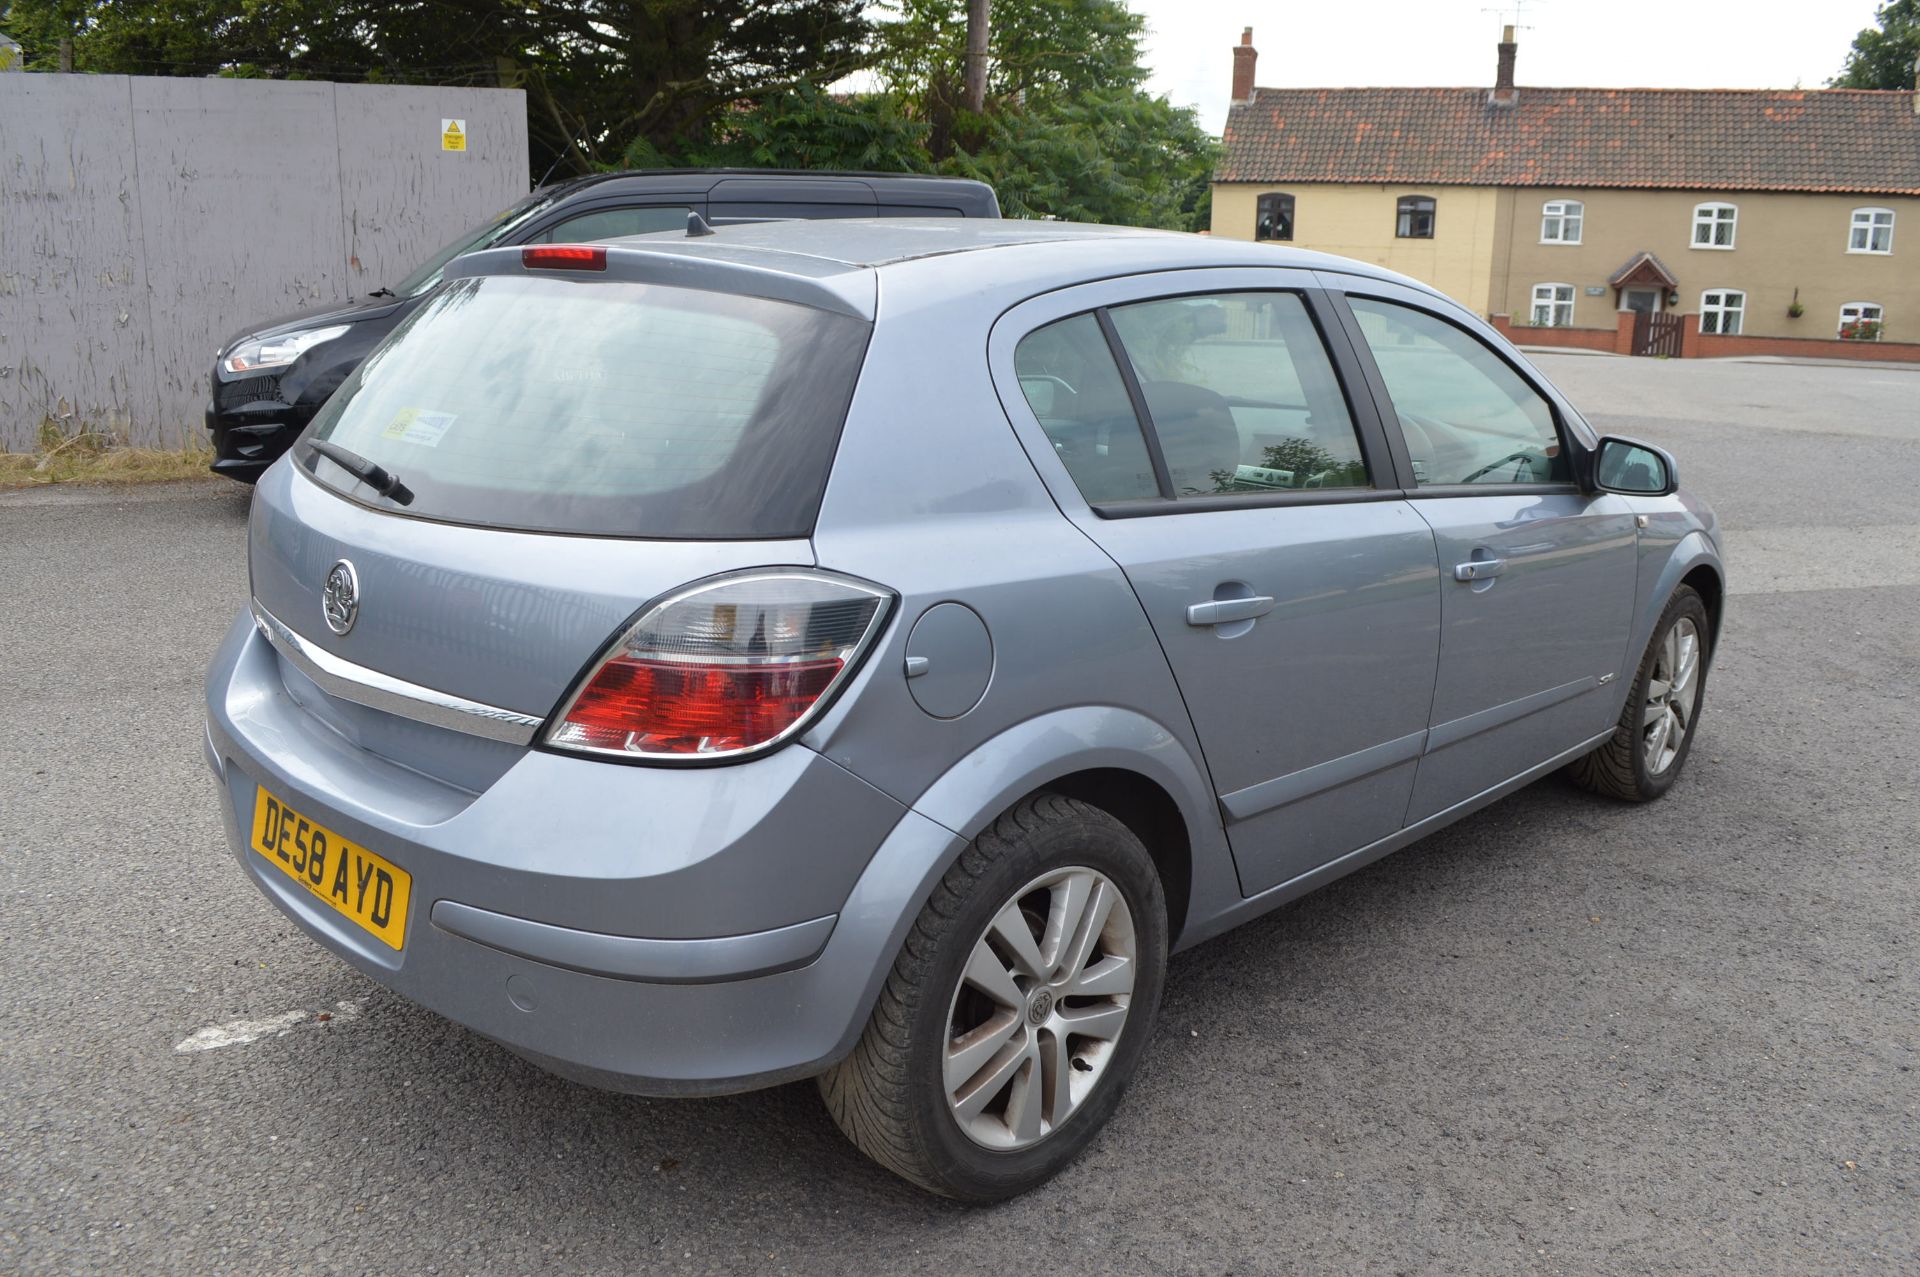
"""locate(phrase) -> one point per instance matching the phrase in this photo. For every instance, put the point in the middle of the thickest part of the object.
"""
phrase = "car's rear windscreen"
(604, 407)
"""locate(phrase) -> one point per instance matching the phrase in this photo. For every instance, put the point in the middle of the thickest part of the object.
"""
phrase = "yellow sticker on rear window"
(418, 426)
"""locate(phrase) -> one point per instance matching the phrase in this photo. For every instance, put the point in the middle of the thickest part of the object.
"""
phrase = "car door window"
(1466, 415)
(611, 223)
(1242, 395)
(1070, 381)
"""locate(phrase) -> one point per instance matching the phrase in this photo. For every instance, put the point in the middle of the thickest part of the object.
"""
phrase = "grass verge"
(91, 458)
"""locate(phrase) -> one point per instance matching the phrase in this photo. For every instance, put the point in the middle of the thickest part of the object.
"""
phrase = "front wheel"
(1018, 1008)
(1649, 746)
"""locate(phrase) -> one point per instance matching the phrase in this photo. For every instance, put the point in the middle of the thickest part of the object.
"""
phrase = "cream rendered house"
(1766, 213)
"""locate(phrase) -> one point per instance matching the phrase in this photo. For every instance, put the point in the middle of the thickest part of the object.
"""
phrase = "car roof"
(825, 246)
(835, 263)
(868, 242)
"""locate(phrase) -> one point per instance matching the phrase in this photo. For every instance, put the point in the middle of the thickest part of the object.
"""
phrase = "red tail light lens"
(723, 669)
(564, 257)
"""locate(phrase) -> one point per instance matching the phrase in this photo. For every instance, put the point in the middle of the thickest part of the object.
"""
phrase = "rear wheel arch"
(1129, 765)
(1151, 814)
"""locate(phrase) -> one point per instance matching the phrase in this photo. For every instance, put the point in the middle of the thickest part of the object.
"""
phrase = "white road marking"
(241, 1032)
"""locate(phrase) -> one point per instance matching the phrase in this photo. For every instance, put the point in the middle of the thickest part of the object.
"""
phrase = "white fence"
(145, 219)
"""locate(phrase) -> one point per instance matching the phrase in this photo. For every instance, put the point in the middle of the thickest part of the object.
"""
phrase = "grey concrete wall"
(145, 219)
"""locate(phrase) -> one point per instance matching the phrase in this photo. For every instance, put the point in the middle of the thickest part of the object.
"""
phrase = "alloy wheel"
(1673, 695)
(1039, 1008)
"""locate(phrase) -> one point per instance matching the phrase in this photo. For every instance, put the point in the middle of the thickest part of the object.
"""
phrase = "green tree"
(1122, 157)
(1069, 129)
(1883, 55)
(806, 127)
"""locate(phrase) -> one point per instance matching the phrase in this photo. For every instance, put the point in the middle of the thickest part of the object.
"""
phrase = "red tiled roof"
(1695, 139)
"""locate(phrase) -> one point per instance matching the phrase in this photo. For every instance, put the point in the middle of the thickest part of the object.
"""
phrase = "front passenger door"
(1537, 577)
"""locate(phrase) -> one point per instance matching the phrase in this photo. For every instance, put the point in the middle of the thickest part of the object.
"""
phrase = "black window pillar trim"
(1359, 366)
(1387, 467)
(1162, 476)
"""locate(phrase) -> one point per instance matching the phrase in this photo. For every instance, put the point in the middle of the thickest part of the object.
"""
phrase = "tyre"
(1017, 1010)
(1649, 745)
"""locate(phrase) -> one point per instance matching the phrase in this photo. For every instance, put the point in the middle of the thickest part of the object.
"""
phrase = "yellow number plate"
(366, 889)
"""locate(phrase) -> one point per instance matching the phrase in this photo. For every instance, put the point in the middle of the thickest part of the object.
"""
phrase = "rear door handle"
(1226, 611)
(1479, 569)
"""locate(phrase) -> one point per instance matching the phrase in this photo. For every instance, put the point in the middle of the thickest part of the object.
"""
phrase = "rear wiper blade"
(377, 477)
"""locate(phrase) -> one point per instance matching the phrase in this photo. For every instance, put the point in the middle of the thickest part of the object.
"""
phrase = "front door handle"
(1226, 611)
(1479, 570)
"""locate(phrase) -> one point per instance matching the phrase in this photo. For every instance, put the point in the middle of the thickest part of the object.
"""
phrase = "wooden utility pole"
(975, 93)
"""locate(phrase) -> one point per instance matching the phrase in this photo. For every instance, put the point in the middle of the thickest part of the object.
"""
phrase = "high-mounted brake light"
(723, 669)
(564, 257)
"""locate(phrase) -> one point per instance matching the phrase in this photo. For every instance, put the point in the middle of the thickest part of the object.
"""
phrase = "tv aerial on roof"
(1512, 14)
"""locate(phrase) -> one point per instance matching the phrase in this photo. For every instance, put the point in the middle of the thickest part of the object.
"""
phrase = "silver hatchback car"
(867, 650)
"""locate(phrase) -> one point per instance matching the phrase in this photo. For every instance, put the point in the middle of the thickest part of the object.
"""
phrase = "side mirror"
(1632, 468)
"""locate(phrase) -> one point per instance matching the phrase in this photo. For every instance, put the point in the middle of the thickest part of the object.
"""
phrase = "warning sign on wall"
(453, 135)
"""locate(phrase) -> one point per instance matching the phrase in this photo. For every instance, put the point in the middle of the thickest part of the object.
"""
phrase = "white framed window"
(1414, 219)
(1560, 221)
(1721, 310)
(1871, 231)
(1862, 321)
(1713, 225)
(1553, 305)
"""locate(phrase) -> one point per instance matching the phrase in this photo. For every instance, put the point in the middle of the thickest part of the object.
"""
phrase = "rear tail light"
(564, 257)
(723, 669)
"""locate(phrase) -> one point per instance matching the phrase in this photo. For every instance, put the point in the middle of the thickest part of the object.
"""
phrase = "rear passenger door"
(1194, 427)
(1538, 577)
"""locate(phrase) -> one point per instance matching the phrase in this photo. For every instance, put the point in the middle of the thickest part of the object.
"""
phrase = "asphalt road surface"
(1563, 1036)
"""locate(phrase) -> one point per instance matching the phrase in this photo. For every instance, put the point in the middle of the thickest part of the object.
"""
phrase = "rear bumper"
(555, 926)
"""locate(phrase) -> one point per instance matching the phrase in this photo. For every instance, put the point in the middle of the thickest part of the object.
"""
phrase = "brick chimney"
(1503, 90)
(1243, 58)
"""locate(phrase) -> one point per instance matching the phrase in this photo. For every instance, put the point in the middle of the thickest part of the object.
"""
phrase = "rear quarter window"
(608, 407)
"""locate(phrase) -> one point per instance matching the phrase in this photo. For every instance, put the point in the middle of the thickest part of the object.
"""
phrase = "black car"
(269, 380)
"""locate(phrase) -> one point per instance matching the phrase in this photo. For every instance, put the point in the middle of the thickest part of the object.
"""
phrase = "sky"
(1698, 44)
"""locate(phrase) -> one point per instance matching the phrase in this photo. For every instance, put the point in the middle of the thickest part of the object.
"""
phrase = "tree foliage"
(1883, 55)
(1067, 128)
(806, 127)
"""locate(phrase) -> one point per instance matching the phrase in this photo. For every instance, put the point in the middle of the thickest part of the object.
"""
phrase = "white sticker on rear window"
(417, 425)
